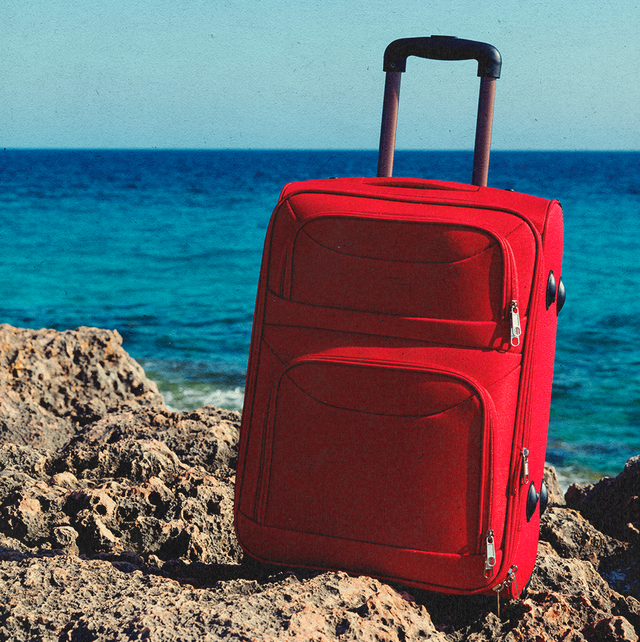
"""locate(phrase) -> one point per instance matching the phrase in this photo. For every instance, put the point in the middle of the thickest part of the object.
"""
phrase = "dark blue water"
(165, 247)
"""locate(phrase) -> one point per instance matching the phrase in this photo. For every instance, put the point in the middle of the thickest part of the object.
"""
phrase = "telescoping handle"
(440, 48)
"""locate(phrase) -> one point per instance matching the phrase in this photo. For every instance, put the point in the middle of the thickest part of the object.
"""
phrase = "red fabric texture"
(387, 405)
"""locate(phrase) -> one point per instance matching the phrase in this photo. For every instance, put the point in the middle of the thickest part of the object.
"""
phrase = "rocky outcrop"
(116, 524)
(65, 598)
(207, 437)
(612, 505)
(116, 487)
(556, 496)
(566, 600)
(52, 381)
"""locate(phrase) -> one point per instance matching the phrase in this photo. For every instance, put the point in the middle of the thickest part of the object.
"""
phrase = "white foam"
(192, 398)
(569, 475)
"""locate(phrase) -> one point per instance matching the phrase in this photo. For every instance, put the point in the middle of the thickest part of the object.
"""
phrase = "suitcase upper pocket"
(439, 270)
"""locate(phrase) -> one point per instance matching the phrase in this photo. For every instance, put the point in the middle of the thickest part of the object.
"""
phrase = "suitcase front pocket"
(426, 269)
(378, 453)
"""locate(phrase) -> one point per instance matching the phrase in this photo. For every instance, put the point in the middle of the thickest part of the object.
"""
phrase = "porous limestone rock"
(51, 382)
(612, 505)
(116, 523)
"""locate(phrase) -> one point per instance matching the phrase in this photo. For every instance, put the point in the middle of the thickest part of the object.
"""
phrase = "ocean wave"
(191, 398)
(568, 475)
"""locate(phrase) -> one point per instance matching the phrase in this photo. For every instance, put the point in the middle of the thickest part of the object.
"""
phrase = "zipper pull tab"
(511, 576)
(490, 560)
(516, 330)
(525, 465)
(510, 579)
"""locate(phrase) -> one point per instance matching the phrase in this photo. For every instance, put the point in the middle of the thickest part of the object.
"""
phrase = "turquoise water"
(165, 247)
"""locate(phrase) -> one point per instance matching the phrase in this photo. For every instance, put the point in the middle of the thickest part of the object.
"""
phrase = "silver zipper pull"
(516, 330)
(490, 560)
(525, 465)
(511, 578)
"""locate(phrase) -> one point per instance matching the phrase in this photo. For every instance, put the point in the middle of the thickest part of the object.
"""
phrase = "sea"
(165, 247)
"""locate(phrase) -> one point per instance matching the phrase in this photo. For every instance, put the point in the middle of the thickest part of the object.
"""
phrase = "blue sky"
(308, 74)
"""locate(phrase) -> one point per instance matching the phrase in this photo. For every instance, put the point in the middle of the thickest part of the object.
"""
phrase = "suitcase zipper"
(506, 583)
(511, 291)
(490, 557)
(516, 330)
(525, 466)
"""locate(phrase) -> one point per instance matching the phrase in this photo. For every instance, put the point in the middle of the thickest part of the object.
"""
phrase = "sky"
(307, 74)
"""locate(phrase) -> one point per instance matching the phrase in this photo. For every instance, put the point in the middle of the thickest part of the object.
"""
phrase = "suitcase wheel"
(544, 498)
(551, 289)
(562, 295)
(532, 501)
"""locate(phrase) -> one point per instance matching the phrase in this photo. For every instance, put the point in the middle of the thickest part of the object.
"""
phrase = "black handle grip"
(443, 48)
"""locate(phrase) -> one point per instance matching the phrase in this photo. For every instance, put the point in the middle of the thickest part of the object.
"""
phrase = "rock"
(64, 598)
(182, 513)
(65, 539)
(207, 437)
(66, 480)
(192, 518)
(134, 459)
(612, 505)
(572, 536)
(566, 600)
(30, 509)
(25, 458)
(556, 497)
(9, 547)
(611, 628)
(51, 382)
(116, 522)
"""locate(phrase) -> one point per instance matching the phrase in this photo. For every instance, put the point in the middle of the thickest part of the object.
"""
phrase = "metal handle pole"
(389, 123)
(484, 125)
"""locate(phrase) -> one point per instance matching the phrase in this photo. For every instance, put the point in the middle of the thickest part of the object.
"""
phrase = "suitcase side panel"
(536, 407)
(259, 367)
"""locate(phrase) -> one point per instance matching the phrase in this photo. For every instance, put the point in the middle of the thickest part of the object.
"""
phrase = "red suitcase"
(399, 380)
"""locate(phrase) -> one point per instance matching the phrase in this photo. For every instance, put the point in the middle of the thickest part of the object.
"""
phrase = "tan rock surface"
(116, 524)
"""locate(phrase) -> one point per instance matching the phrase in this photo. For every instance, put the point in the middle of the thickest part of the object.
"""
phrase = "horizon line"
(302, 149)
